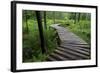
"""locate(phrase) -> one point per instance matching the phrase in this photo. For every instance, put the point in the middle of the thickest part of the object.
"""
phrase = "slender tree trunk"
(78, 17)
(26, 18)
(45, 24)
(39, 20)
(75, 20)
(45, 31)
(79, 20)
(86, 16)
(54, 17)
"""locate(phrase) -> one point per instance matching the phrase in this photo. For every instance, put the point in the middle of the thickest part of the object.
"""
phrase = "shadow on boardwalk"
(71, 46)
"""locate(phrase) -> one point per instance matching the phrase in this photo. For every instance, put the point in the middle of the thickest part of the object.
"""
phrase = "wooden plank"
(74, 53)
(83, 48)
(58, 57)
(50, 58)
(66, 54)
(76, 44)
(76, 50)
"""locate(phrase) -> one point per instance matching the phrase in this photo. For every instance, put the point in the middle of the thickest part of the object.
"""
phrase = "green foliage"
(79, 23)
(49, 22)
(31, 42)
(81, 28)
(51, 41)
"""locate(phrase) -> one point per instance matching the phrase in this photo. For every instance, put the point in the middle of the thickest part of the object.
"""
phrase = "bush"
(51, 41)
(82, 29)
(31, 43)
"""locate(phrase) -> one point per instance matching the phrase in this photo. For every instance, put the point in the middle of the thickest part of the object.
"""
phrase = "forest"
(76, 22)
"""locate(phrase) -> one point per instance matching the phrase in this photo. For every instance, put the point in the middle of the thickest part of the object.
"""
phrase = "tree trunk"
(78, 17)
(75, 20)
(39, 20)
(26, 18)
(45, 24)
(54, 17)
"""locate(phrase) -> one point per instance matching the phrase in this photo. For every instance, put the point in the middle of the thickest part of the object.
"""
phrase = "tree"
(78, 17)
(45, 24)
(26, 20)
(54, 17)
(39, 20)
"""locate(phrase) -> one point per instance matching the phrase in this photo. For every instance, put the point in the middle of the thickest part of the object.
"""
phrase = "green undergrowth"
(81, 28)
(32, 51)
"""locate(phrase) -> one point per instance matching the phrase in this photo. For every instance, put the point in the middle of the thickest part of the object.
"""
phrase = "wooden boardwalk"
(71, 46)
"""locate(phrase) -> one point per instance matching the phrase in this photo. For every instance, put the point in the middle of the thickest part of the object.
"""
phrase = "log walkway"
(71, 46)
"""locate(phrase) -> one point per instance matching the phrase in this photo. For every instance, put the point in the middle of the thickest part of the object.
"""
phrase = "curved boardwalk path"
(71, 46)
